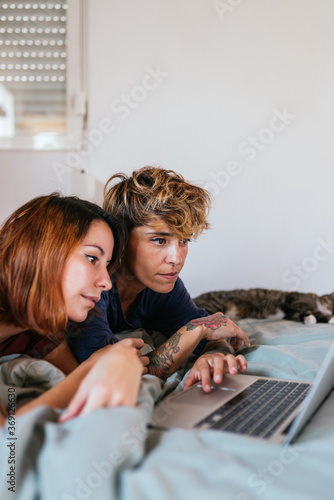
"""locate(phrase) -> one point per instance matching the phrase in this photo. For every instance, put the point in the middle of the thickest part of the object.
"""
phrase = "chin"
(166, 288)
(79, 318)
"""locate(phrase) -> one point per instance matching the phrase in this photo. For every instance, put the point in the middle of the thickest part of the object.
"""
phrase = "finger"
(218, 369)
(124, 394)
(192, 378)
(232, 364)
(145, 360)
(236, 343)
(135, 351)
(205, 376)
(241, 337)
(242, 362)
(136, 343)
(95, 400)
(125, 342)
(145, 370)
(74, 408)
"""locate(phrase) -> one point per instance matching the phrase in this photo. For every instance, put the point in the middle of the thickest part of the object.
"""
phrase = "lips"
(91, 300)
(169, 276)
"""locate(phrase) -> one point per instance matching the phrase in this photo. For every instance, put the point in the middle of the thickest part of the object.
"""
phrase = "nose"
(104, 280)
(174, 254)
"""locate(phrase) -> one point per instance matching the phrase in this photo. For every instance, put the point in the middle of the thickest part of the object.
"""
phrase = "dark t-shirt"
(163, 312)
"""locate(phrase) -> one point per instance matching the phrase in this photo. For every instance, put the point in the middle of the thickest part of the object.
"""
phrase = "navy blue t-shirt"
(163, 312)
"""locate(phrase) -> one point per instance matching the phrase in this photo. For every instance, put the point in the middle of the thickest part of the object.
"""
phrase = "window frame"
(75, 95)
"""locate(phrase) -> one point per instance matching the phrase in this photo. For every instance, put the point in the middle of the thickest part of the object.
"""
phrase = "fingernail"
(64, 415)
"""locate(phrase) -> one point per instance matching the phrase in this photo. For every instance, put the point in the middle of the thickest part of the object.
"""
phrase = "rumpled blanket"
(114, 454)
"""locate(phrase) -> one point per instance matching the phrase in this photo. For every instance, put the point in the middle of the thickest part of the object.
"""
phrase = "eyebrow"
(159, 234)
(95, 246)
(101, 250)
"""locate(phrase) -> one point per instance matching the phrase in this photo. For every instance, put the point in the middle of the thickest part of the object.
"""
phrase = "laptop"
(259, 407)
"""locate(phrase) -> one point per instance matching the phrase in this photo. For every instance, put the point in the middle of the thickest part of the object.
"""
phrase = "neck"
(7, 331)
(128, 286)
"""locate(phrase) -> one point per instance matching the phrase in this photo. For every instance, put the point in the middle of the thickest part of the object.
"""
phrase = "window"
(42, 105)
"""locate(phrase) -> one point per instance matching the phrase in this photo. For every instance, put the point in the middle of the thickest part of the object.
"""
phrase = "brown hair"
(35, 242)
(153, 192)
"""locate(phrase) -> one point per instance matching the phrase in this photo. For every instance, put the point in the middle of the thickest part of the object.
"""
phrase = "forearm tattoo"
(161, 360)
(213, 323)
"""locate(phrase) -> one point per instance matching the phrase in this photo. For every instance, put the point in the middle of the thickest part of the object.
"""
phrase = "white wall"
(225, 76)
(26, 174)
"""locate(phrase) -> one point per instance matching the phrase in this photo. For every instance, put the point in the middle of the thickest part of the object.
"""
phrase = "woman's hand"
(113, 380)
(137, 344)
(214, 365)
(219, 326)
(167, 358)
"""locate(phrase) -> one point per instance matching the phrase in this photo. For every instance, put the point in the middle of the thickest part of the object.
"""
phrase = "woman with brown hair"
(162, 213)
(56, 254)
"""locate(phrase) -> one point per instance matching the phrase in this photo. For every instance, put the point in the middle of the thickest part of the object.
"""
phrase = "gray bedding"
(111, 453)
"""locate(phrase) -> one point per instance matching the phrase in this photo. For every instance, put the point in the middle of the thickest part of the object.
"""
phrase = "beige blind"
(33, 68)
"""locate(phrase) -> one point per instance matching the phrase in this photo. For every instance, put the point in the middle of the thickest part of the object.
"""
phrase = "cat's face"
(327, 300)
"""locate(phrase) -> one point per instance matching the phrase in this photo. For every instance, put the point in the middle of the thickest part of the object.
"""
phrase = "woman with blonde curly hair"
(162, 213)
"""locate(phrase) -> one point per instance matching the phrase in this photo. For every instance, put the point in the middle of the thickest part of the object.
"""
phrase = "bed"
(114, 454)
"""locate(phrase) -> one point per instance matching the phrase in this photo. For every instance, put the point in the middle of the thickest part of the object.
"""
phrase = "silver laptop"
(259, 407)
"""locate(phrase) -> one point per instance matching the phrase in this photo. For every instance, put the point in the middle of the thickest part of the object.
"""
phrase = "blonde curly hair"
(150, 193)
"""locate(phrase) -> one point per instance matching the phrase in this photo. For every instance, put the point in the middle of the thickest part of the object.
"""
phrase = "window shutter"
(33, 69)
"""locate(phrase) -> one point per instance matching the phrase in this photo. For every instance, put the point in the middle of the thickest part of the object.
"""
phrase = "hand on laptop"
(214, 365)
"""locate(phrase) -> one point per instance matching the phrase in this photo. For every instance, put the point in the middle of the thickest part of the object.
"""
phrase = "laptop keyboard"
(259, 410)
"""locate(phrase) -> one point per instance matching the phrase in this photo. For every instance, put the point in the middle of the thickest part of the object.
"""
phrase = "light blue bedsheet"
(110, 454)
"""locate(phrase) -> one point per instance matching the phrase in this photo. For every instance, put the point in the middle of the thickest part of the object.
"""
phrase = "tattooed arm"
(167, 358)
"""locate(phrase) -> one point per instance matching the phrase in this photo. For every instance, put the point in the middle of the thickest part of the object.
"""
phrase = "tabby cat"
(262, 303)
